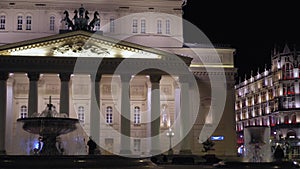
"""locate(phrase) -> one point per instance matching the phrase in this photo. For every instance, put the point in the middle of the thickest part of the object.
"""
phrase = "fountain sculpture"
(49, 125)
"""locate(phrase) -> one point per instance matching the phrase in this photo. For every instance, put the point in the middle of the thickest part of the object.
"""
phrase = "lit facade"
(36, 62)
(271, 98)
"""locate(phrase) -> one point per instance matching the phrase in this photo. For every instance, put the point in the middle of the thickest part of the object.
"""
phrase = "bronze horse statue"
(94, 21)
(68, 20)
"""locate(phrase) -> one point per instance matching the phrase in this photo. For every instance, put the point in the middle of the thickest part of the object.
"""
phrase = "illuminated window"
(168, 27)
(81, 114)
(52, 23)
(2, 22)
(20, 23)
(159, 27)
(287, 71)
(143, 26)
(135, 26)
(137, 116)
(109, 115)
(23, 112)
(137, 145)
(112, 25)
(28, 22)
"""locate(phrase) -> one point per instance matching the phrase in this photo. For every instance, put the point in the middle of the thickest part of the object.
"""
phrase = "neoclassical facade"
(129, 79)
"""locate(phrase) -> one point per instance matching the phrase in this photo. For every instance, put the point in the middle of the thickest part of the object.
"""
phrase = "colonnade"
(95, 110)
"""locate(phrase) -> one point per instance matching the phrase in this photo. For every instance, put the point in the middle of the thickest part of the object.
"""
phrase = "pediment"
(79, 44)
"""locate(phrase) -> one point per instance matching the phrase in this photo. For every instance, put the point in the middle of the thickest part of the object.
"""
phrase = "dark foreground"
(118, 162)
(74, 162)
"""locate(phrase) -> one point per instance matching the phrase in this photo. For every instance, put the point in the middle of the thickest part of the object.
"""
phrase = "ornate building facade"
(108, 77)
(271, 98)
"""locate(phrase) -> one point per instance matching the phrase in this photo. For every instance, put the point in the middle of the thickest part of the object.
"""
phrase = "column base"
(2, 152)
(125, 152)
(185, 152)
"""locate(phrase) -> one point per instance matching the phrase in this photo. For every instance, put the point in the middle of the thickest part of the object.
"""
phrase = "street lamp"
(170, 134)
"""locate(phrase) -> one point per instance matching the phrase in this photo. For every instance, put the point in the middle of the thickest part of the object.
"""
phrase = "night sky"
(252, 28)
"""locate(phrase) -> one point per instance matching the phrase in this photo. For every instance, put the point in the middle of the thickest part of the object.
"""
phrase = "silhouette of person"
(278, 154)
(92, 146)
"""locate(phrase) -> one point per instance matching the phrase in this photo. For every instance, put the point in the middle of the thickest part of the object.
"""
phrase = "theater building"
(271, 98)
(131, 74)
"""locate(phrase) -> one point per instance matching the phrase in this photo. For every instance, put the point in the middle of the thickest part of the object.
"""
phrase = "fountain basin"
(48, 125)
(49, 128)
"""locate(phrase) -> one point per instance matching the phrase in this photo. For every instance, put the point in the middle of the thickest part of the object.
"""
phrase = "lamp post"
(170, 134)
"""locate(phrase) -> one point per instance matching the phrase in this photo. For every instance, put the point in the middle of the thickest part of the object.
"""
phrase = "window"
(137, 145)
(28, 22)
(20, 23)
(168, 27)
(97, 26)
(2, 22)
(137, 116)
(159, 28)
(134, 26)
(23, 111)
(52, 23)
(81, 114)
(109, 115)
(143, 26)
(112, 25)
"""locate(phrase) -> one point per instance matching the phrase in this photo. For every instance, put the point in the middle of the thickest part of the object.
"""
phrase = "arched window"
(168, 27)
(28, 22)
(2, 22)
(143, 26)
(20, 22)
(97, 26)
(134, 26)
(112, 25)
(81, 114)
(23, 112)
(109, 115)
(159, 27)
(52, 23)
(137, 116)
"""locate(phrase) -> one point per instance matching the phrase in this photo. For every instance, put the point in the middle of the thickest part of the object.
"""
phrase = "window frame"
(2, 22)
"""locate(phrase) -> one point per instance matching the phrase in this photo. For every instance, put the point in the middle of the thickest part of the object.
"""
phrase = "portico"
(125, 68)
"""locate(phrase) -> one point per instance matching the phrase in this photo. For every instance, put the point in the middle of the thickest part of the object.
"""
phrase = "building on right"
(272, 98)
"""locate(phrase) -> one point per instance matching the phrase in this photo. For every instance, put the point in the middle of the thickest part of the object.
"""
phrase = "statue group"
(81, 20)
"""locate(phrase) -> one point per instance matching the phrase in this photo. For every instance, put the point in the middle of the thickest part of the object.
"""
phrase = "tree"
(208, 145)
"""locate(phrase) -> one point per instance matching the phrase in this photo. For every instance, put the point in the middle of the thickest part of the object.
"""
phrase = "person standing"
(92, 146)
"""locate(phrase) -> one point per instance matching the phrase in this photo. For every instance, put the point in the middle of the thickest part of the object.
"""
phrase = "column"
(155, 114)
(3, 99)
(64, 93)
(95, 107)
(33, 93)
(185, 133)
(125, 115)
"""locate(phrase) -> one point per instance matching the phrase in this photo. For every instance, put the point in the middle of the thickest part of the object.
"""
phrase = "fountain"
(257, 144)
(49, 125)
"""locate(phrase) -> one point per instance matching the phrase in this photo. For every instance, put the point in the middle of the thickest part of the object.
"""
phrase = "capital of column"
(33, 76)
(155, 78)
(125, 78)
(96, 77)
(3, 76)
(64, 76)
